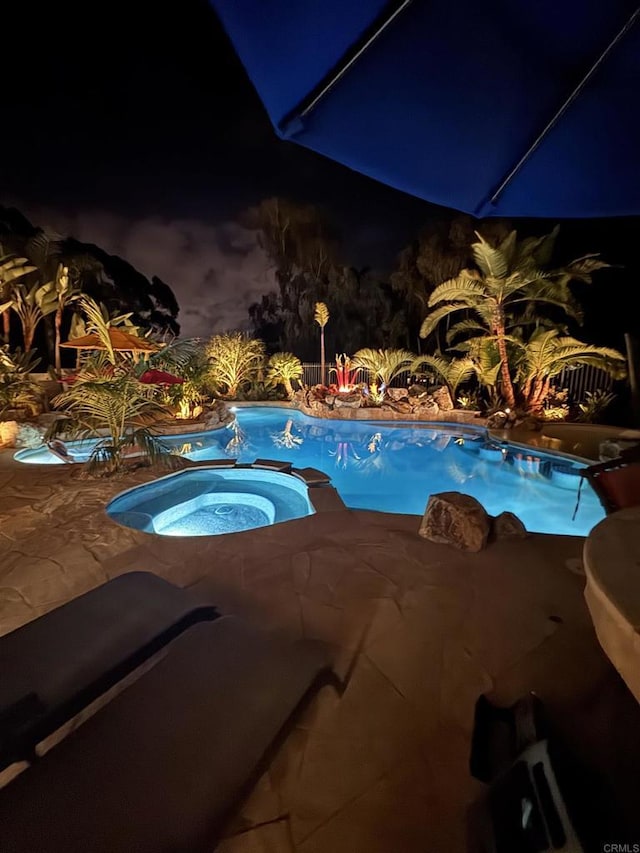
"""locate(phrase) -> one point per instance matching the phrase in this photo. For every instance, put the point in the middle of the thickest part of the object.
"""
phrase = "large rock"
(8, 433)
(508, 526)
(403, 407)
(426, 407)
(456, 519)
(498, 420)
(443, 399)
(397, 394)
(348, 401)
(417, 390)
(318, 409)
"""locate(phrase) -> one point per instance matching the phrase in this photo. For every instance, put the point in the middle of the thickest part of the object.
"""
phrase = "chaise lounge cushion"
(160, 766)
(56, 665)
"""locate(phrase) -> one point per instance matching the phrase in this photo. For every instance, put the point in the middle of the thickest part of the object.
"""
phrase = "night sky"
(134, 127)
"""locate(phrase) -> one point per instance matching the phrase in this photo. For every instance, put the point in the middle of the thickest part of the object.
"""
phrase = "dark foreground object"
(58, 664)
(540, 797)
(160, 767)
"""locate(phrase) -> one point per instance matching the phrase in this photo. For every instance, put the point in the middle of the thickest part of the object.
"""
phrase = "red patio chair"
(617, 481)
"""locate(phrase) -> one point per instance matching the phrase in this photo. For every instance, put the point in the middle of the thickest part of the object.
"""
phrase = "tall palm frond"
(117, 409)
(321, 314)
(452, 371)
(96, 324)
(383, 364)
(548, 353)
(175, 356)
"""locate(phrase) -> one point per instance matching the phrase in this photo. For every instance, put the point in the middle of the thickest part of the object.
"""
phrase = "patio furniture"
(611, 558)
(58, 664)
(160, 767)
(616, 482)
(362, 83)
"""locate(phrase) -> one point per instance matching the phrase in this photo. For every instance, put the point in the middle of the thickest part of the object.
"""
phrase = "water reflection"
(238, 443)
(285, 438)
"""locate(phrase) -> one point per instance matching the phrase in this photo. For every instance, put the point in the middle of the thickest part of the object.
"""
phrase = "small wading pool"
(210, 501)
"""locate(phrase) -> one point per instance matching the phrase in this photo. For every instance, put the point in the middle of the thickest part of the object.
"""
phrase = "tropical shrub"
(346, 372)
(32, 304)
(234, 361)
(547, 353)
(383, 364)
(17, 389)
(283, 367)
(556, 405)
(188, 397)
(453, 372)
(468, 401)
(260, 390)
(594, 405)
(114, 402)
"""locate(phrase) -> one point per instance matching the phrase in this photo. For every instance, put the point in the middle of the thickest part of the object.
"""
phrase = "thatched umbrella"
(120, 342)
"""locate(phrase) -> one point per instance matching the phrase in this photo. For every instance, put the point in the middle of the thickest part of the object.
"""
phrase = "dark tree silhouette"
(107, 278)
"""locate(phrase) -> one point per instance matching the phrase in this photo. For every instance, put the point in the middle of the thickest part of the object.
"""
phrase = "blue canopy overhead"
(496, 109)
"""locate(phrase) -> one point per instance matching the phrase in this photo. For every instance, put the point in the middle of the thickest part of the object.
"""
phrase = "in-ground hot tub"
(209, 501)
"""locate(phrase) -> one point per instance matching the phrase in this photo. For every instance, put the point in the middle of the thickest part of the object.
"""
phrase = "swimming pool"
(395, 467)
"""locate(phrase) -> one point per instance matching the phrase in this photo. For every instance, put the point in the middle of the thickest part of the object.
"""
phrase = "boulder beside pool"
(452, 518)
(507, 525)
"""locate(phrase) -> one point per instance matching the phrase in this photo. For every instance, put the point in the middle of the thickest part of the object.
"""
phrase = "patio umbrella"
(120, 342)
(501, 109)
(159, 377)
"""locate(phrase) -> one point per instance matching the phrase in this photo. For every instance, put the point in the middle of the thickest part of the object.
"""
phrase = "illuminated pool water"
(210, 501)
(394, 468)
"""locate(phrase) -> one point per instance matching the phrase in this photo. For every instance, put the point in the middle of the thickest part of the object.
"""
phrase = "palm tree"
(282, 368)
(64, 291)
(120, 405)
(235, 360)
(321, 316)
(384, 364)
(11, 269)
(32, 304)
(93, 318)
(499, 295)
(547, 354)
(452, 371)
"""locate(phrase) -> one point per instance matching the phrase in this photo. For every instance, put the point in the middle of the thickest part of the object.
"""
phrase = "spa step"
(272, 465)
(311, 476)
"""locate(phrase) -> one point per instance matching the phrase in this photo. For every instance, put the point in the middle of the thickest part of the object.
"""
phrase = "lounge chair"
(160, 767)
(58, 664)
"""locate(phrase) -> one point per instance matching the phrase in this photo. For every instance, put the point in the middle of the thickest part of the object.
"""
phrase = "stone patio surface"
(419, 631)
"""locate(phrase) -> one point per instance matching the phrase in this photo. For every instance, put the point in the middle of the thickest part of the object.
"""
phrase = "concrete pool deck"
(420, 629)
